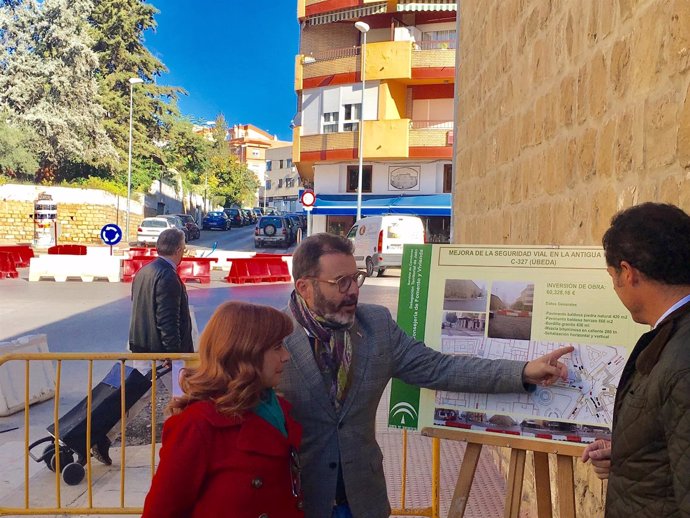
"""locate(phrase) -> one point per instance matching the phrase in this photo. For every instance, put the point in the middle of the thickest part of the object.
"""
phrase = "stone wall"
(568, 112)
(81, 213)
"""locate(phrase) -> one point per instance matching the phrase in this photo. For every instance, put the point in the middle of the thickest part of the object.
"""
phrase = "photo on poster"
(460, 323)
(537, 428)
(510, 310)
(580, 407)
(465, 295)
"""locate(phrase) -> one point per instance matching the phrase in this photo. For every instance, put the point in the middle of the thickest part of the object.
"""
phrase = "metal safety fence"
(59, 457)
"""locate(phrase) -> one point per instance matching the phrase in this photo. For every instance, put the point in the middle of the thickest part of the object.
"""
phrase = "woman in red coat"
(230, 447)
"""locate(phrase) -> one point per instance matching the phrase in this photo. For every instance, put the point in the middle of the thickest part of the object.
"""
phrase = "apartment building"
(402, 99)
(283, 183)
(250, 144)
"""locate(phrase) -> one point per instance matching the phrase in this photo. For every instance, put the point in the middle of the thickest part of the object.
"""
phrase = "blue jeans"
(341, 511)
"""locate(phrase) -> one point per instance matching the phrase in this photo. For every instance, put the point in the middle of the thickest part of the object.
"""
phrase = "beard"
(332, 312)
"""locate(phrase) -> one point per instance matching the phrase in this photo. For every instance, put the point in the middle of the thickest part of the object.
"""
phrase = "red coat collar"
(255, 433)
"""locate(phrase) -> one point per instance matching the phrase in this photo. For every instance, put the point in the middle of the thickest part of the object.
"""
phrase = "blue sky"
(233, 57)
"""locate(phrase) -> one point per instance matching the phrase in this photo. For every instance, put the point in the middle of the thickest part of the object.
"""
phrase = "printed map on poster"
(518, 304)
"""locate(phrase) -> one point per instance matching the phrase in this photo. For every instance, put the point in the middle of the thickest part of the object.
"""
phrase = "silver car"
(150, 228)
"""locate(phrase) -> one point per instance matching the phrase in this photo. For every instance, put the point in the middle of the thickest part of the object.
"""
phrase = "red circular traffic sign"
(308, 198)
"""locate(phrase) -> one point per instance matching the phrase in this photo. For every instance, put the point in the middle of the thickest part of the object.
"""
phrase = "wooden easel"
(519, 447)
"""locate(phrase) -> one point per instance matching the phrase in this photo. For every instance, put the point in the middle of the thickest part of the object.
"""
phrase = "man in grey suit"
(343, 354)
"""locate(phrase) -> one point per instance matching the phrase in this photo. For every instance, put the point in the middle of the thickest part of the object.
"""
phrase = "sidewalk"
(486, 498)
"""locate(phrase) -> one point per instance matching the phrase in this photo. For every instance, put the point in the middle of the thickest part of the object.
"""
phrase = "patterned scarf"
(332, 349)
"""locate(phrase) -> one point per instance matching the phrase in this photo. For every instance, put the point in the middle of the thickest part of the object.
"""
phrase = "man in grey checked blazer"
(342, 464)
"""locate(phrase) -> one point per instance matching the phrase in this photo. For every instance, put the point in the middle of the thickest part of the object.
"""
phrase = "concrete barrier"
(224, 258)
(12, 379)
(85, 267)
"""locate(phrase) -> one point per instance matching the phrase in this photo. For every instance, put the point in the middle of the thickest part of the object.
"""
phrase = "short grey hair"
(169, 241)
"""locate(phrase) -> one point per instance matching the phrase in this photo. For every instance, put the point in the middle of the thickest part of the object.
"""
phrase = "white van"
(379, 240)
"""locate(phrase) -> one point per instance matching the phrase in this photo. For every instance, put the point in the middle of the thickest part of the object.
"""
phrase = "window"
(268, 185)
(280, 165)
(330, 122)
(353, 114)
(448, 178)
(269, 165)
(352, 175)
(280, 183)
(288, 162)
(289, 182)
(439, 40)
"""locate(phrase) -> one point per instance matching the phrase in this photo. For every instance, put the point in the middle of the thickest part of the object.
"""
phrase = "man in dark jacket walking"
(160, 323)
(160, 309)
(647, 461)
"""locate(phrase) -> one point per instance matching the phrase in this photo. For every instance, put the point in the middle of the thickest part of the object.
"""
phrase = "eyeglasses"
(344, 282)
(295, 473)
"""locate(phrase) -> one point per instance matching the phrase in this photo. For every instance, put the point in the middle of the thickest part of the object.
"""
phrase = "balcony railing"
(331, 54)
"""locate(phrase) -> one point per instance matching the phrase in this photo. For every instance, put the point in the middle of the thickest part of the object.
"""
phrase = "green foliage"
(103, 184)
(117, 27)
(18, 159)
(47, 80)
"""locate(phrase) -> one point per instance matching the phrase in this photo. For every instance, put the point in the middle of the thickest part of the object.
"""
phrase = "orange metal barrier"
(91, 507)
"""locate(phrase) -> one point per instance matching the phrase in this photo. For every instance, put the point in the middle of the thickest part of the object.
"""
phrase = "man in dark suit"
(647, 462)
(343, 354)
(160, 310)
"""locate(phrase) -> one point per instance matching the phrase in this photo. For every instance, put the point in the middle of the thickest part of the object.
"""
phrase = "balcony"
(384, 139)
(399, 60)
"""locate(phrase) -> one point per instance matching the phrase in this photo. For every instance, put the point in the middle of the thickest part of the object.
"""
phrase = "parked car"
(234, 215)
(296, 225)
(177, 223)
(150, 228)
(217, 219)
(192, 227)
(258, 212)
(273, 230)
(300, 218)
(250, 216)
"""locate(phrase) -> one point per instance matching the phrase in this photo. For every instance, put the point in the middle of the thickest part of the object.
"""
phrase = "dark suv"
(273, 230)
(235, 216)
(192, 227)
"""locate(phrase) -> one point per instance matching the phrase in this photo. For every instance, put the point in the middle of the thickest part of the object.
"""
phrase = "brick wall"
(568, 112)
(317, 38)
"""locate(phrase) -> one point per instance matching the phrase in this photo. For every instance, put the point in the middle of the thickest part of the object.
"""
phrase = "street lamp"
(132, 81)
(363, 28)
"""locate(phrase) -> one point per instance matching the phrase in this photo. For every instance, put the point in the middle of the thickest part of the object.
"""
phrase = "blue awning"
(376, 204)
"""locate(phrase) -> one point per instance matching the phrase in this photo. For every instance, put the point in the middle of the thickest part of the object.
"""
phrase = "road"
(94, 317)
(237, 239)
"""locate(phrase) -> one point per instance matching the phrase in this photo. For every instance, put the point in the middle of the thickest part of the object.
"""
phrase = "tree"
(48, 83)
(17, 158)
(227, 177)
(117, 27)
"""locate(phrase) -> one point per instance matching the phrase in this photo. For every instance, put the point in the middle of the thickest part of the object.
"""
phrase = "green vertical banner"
(403, 411)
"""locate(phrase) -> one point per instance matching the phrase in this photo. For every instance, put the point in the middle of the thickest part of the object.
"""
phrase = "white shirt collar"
(670, 310)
